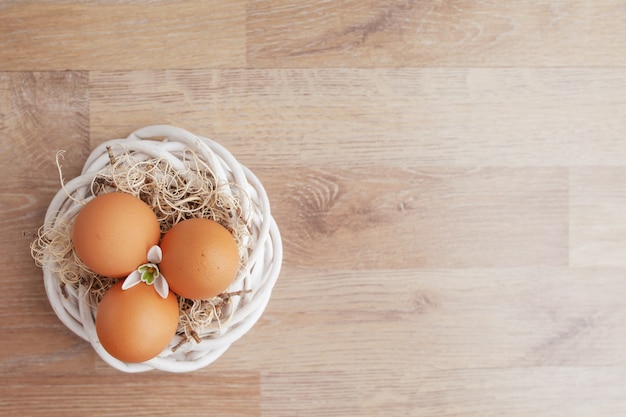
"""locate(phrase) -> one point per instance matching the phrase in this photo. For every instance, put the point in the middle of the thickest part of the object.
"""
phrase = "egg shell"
(136, 324)
(200, 258)
(113, 232)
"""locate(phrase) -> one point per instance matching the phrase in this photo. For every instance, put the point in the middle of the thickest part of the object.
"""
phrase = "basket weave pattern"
(258, 277)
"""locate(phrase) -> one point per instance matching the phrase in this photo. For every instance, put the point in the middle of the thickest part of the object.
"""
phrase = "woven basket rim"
(260, 275)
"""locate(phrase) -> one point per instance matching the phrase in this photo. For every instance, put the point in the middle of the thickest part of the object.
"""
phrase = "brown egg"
(113, 232)
(200, 258)
(136, 324)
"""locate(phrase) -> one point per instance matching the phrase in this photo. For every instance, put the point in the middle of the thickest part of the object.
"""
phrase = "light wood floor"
(449, 177)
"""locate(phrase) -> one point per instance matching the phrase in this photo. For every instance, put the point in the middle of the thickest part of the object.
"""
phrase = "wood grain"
(357, 117)
(422, 218)
(451, 393)
(42, 35)
(447, 177)
(400, 33)
(159, 398)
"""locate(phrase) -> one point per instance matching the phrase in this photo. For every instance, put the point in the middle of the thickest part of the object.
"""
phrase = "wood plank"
(397, 33)
(46, 348)
(358, 117)
(514, 392)
(152, 394)
(122, 35)
(378, 218)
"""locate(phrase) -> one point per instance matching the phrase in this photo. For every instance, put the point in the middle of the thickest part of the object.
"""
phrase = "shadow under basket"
(254, 282)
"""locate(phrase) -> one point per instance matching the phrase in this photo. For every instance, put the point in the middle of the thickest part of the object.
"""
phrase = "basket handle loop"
(163, 130)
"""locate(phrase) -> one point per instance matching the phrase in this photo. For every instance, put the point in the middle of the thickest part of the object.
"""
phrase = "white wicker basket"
(262, 268)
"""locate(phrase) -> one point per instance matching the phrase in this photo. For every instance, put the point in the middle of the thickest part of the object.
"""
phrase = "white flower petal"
(133, 279)
(161, 287)
(155, 254)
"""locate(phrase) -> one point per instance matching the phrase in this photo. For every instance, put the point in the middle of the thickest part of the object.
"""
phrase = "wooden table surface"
(449, 178)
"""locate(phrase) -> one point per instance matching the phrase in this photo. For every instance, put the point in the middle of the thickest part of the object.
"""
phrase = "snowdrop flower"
(149, 273)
